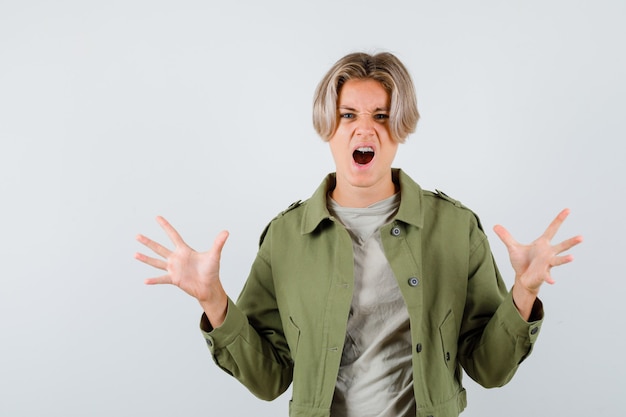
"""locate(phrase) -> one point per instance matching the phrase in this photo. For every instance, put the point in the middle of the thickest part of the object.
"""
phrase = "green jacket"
(289, 322)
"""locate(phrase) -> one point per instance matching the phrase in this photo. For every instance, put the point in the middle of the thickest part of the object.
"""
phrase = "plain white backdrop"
(114, 112)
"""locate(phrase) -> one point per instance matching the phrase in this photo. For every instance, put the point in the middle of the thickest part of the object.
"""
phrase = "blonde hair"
(382, 67)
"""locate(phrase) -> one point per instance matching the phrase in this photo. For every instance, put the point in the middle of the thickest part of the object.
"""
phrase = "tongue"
(363, 158)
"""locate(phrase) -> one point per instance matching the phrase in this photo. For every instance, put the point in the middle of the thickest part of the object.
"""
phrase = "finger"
(171, 232)
(157, 263)
(556, 224)
(218, 244)
(561, 260)
(504, 236)
(568, 244)
(164, 279)
(157, 248)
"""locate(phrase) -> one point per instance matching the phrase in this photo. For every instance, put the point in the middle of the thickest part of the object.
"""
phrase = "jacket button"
(418, 348)
(534, 330)
(395, 231)
(414, 282)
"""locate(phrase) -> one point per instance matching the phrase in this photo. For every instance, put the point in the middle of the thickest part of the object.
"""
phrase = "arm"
(494, 338)
(499, 329)
(251, 345)
(245, 340)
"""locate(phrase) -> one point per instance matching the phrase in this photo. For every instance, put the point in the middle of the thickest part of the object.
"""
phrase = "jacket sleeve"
(494, 338)
(250, 345)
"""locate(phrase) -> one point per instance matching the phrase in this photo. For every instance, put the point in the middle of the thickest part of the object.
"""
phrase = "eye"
(347, 115)
(381, 117)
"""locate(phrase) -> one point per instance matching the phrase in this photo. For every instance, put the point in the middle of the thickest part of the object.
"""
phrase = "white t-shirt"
(375, 376)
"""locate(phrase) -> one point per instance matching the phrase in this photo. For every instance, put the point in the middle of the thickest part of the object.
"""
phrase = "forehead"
(366, 93)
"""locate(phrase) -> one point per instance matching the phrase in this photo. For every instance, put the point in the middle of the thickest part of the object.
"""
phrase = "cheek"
(343, 131)
(383, 131)
(386, 139)
(335, 149)
(391, 150)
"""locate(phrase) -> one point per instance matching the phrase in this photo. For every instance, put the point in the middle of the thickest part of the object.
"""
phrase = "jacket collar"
(410, 210)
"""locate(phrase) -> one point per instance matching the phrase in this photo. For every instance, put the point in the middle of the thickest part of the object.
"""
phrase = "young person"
(373, 295)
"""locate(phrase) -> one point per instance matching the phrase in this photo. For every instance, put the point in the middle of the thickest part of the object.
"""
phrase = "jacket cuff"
(225, 334)
(517, 325)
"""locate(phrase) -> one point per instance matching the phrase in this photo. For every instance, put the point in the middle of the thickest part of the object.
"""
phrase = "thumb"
(504, 235)
(218, 244)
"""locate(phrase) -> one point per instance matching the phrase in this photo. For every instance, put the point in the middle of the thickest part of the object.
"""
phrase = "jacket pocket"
(449, 340)
(292, 333)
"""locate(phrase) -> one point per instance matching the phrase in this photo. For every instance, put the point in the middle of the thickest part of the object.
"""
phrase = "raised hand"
(196, 273)
(533, 263)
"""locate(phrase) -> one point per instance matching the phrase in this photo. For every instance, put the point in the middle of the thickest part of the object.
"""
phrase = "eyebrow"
(377, 109)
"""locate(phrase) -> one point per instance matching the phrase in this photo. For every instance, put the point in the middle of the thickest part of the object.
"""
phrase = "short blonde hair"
(382, 67)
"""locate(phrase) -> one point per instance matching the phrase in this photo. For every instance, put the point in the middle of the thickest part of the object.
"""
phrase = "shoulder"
(302, 217)
(289, 217)
(438, 194)
(414, 195)
(446, 204)
(292, 206)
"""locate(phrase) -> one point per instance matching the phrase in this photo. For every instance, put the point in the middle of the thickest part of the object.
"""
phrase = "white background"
(114, 112)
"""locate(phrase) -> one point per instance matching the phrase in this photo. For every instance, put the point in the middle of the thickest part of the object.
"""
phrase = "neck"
(347, 195)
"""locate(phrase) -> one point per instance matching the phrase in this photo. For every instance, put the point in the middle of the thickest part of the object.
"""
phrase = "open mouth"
(363, 155)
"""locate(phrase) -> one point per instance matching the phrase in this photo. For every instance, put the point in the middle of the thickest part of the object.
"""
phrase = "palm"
(191, 271)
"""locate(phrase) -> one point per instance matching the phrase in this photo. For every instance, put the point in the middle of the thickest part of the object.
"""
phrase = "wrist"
(524, 300)
(215, 308)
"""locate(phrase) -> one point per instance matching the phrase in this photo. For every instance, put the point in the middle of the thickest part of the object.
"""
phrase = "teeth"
(365, 149)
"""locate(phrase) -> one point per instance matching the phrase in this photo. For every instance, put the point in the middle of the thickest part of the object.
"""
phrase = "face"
(362, 146)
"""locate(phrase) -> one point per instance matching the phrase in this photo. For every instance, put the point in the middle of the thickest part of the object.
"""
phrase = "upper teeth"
(365, 149)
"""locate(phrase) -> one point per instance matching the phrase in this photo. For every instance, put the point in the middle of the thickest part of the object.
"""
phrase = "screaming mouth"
(363, 155)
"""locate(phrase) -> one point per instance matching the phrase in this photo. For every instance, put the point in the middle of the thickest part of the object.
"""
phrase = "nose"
(365, 125)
